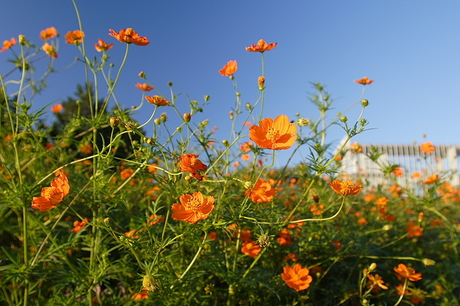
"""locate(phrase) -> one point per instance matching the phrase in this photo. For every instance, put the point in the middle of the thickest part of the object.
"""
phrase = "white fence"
(444, 161)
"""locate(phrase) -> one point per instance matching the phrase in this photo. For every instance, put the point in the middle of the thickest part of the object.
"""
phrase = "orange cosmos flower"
(414, 230)
(192, 207)
(229, 69)
(75, 37)
(157, 100)
(285, 237)
(57, 108)
(376, 280)
(143, 295)
(431, 179)
(278, 134)
(102, 46)
(191, 164)
(416, 174)
(408, 272)
(297, 278)
(261, 46)
(126, 173)
(86, 148)
(8, 44)
(356, 148)
(251, 248)
(144, 87)
(364, 81)
(246, 147)
(78, 225)
(345, 187)
(50, 50)
(49, 33)
(398, 171)
(129, 36)
(382, 201)
(52, 196)
(154, 219)
(261, 193)
(290, 256)
(427, 147)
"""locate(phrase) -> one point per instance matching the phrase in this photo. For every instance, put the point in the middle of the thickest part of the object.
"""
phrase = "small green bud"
(344, 119)
(170, 84)
(157, 121)
(364, 102)
(225, 142)
(207, 97)
(248, 106)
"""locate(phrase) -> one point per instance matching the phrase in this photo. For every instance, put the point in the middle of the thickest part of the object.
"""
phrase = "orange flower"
(382, 201)
(49, 33)
(290, 256)
(129, 36)
(245, 157)
(317, 209)
(362, 221)
(278, 134)
(52, 196)
(345, 187)
(144, 87)
(143, 295)
(126, 173)
(75, 37)
(132, 234)
(154, 219)
(427, 147)
(191, 164)
(408, 272)
(57, 108)
(246, 147)
(431, 179)
(398, 171)
(86, 148)
(416, 174)
(376, 280)
(229, 69)
(102, 46)
(414, 230)
(356, 147)
(8, 44)
(285, 237)
(192, 208)
(157, 100)
(50, 50)
(261, 46)
(297, 278)
(261, 193)
(78, 225)
(251, 248)
(364, 81)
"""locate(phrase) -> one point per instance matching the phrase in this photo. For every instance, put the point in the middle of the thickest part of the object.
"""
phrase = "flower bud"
(149, 283)
(364, 102)
(248, 106)
(187, 117)
(261, 82)
(163, 117)
(207, 97)
(225, 142)
(114, 121)
(22, 40)
(170, 84)
(149, 141)
(130, 125)
(232, 115)
(142, 75)
(372, 267)
(157, 121)
(344, 119)
(428, 262)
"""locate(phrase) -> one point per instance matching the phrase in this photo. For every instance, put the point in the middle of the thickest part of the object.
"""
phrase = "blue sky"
(410, 48)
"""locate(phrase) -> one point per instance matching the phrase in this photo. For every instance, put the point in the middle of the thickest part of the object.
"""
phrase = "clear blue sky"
(410, 48)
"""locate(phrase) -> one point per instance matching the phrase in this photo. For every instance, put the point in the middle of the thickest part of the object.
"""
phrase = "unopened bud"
(261, 82)
(170, 84)
(157, 121)
(344, 119)
(187, 117)
(225, 142)
(248, 106)
(372, 267)
(428, 262)
(149, 141)
(149, 283)
(163, 117)
(22, 40)
(107, 221)
(364, 102)
(130, 126)
(142, 75)
(205, 122)
(114, 121)
(207, 97)
(232, 115)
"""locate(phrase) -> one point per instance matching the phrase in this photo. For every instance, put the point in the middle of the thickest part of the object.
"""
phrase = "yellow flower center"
(346, 187)
(272, 134)
(194, 204)
(193, 161)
